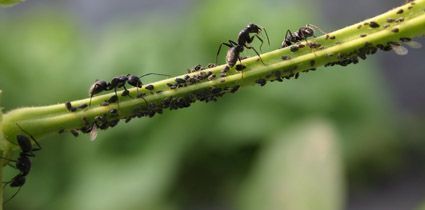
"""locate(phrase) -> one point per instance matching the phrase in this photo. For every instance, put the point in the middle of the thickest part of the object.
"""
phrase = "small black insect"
(136, 82)
(302, 34)
(244, 41)
(23, 163)
(82, 106)
(74, 132)
(149, 87)
(69, 107)
(374, 24)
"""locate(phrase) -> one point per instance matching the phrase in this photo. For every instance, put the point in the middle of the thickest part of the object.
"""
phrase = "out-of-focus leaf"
(10, 2)
(298, 170)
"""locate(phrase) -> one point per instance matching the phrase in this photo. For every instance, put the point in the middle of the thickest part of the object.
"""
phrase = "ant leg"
(232, 43)
(219, 48)
(118, 99)
(287, 41)
(13, 195)
(32, 137)
(240, 62)
(256, 52)
(267, 36)
(261, 40)
(7, 159)
(91, 96)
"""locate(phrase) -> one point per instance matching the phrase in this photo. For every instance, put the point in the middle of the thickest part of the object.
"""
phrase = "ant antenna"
(166, 75)
(317, 28)
(268, 40)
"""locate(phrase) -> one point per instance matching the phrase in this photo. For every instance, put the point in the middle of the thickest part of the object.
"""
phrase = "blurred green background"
(337, 138)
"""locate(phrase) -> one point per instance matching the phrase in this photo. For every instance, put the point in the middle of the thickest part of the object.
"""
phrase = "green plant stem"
(40, 121)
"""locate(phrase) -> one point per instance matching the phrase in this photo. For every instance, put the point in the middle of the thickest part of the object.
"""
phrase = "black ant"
(23, 163)
(118, 82)
(244, 39)
(302, 34)
(137, 83)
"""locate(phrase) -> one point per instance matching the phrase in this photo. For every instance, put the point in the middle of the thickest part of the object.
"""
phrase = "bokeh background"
(338, 138)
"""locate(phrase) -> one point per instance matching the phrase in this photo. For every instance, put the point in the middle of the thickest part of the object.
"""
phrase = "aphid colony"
(197, 74)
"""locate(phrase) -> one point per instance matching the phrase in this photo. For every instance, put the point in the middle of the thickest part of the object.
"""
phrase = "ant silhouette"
(244, 39)
(23, 163)
(118, 82)
(302, 34)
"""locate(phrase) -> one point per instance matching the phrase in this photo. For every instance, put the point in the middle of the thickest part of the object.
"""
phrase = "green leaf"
(300, 169)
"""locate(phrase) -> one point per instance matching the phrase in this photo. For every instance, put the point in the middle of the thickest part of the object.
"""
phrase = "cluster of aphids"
(369, 48)
(200, 74)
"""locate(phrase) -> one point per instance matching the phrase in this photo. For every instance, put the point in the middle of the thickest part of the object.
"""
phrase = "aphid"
(113, 123)
(294, 48)
(286, 57)
(69, 107)
(240, 67)
(105, 103)
(261, 82)
(363, 35)
(113, 99)
(149, 87)
(400, 11)
(244, 41)
(390, 20)
(180, 81)
(89, 128)
(74, 132)
(113, 111)
(302, 34)
(395, 30)
(374, 24)
(314, 45)
(23, 163)
(211, 77)
(235, 88)
(212, 65)
(93, 132)
(409, 42)
(398, 49)
(61, 131)
(82, 106)
(399, 20)
(98, 87)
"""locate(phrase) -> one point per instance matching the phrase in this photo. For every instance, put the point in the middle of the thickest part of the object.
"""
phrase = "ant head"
(307, 31)
(252, 28)
(134, 81)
